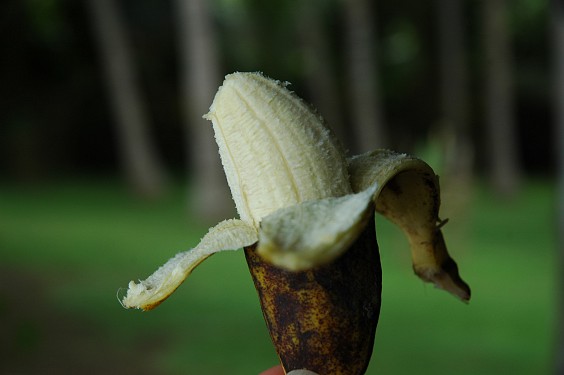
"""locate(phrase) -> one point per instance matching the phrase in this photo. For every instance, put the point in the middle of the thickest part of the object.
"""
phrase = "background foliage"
(72, 232)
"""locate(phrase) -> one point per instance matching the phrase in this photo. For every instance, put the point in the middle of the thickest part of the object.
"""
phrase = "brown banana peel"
(307, 226)
(323, 319)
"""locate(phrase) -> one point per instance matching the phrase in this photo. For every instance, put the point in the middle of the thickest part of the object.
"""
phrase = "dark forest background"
(57, 117)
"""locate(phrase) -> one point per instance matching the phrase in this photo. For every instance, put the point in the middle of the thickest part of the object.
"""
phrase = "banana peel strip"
(228, 235)
(408, 195)
(312, 233)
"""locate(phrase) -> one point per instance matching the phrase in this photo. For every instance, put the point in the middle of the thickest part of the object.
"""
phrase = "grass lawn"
(66, 248)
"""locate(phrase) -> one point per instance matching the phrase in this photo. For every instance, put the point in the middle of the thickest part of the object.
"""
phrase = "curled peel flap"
(312, 233)
(408, 195)
(149, 293)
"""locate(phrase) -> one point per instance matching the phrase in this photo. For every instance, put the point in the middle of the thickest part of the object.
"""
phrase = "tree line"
(95, 84)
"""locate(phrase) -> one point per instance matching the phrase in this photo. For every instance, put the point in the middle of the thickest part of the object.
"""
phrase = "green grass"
(84, 240)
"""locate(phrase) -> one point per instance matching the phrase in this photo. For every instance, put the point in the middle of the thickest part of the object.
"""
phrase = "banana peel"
(409, 196)
(323, 319)
(307, 226)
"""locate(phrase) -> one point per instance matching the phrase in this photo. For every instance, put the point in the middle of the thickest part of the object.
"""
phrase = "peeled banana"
(307, 226)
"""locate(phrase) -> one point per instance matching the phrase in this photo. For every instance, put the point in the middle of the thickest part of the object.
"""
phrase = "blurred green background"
(107, 170)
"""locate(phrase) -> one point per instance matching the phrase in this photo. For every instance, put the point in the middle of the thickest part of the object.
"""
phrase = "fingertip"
(276, 370)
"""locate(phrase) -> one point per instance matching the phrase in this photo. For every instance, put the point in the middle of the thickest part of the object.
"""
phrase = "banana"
(307, 226)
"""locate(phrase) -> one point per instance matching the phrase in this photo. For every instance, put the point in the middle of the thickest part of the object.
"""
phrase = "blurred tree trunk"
(459, 151)
(320, 75)
(200, 80)
(142, 167)
(557, 12)
(362, 77)
(501, 134)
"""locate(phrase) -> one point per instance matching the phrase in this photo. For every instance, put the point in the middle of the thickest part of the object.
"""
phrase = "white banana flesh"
(275, 150)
